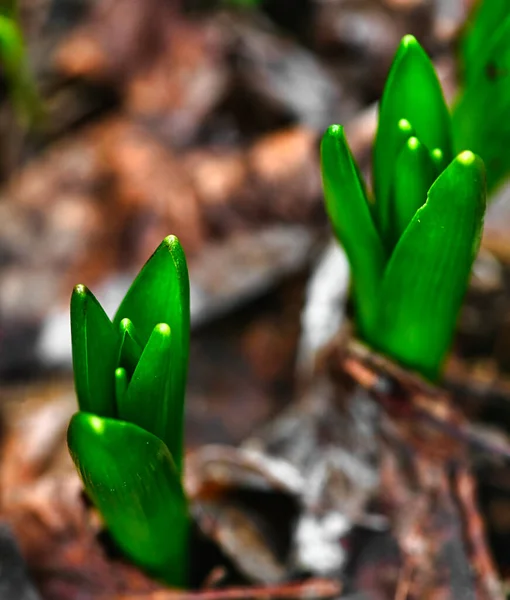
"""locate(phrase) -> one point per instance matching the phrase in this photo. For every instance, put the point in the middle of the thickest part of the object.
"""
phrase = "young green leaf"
(404, 131)
(130, 348)
(349, 213)
(160, 294)
(414, 173)
(480, 117)
(428, 272)
(146, 401)
(94, 346)
(412, 92)
(131, 478)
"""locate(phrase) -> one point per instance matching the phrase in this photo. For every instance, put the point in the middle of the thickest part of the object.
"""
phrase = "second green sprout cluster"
(411, 246)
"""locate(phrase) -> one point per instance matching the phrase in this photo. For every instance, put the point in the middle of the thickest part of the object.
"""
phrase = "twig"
(380, 376)
(311, 588)
(475, 533)
(404, 581)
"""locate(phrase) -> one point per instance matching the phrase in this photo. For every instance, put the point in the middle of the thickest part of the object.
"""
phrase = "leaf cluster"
(410, 246)
(127, 439)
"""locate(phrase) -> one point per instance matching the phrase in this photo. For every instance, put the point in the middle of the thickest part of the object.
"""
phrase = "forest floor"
(315, 468)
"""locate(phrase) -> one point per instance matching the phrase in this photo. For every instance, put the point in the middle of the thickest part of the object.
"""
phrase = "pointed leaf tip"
(80, 290)
(163, 329)
(412, 92)
(405, 127)
(172, 241)
(121, 386)
(349, 214)
(466, 158)
(437, 158)
(413, 143)
(130, 348)
(160, 294)
(414, 173)
(335, 130)
(409, 41)
(455, 175)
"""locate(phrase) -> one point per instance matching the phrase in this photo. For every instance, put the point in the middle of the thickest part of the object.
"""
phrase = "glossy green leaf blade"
(412, 92)
(130, 349)
(94, 347)
(480, 116)
(413, 175)
(428, 273)
(160, 294)
(403, 131)
(145, 402)
(130, 476)
(350, 217)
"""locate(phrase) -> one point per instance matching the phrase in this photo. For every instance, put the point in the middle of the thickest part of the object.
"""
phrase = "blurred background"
(201, 118)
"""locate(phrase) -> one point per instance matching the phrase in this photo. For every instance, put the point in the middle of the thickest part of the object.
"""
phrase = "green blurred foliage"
(14, 64)
(480, 114)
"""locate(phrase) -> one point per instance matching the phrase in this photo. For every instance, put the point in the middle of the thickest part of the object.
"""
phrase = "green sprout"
(14, 61)
(411, 248)
(480, 115)
(127, 440)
